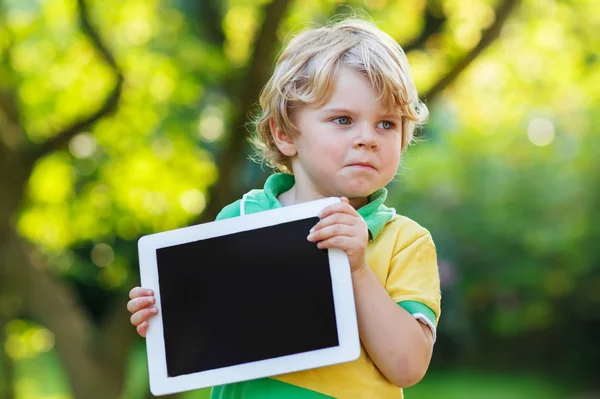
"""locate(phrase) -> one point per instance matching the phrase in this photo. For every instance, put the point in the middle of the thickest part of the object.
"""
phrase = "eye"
(342, 120)
(386, 125)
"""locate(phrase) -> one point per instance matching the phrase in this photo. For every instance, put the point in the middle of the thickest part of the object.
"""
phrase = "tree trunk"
(52, 303)
(7, 379)
(94, 368)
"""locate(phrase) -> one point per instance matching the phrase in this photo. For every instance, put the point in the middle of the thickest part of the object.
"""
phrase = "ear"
(282, 140)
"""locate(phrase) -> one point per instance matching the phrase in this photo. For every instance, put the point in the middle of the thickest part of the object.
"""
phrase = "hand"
(141, 305)
(343, 228)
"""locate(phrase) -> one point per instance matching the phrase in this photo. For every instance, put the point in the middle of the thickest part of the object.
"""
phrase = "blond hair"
(305, 73)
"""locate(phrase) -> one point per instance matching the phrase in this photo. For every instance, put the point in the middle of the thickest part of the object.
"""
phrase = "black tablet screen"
(245, 297)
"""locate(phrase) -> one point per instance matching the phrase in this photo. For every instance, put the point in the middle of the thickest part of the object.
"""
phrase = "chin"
(361, 187)
(359, 192)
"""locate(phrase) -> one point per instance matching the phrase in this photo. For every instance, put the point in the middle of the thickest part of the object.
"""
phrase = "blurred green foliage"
(506, 176)
(508, 180)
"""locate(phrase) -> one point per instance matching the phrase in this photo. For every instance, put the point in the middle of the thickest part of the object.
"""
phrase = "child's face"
(350, 146)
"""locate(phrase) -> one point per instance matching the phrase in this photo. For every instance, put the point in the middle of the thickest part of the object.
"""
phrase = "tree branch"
(222, 192)
(209, 17)
(60, 139)
(11, 137)
(433, 25)
(502, 14)
(90, 31)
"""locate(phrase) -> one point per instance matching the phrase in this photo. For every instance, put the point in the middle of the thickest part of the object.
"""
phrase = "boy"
(337, 113)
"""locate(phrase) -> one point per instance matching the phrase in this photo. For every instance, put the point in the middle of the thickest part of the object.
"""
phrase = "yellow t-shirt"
(402, 255)
(404, 259)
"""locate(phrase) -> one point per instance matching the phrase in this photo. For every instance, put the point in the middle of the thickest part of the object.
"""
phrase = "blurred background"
(119, 118)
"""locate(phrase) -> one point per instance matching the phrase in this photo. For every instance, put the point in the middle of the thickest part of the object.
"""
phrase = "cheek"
(325, 154)
(391, 148)
(323, 143)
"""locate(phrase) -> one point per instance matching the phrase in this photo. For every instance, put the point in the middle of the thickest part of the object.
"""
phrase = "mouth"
(363, 165)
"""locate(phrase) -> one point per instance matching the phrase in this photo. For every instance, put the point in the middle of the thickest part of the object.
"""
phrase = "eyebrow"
(336, 110)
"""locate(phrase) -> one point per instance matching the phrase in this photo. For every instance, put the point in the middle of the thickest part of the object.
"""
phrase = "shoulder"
(405, 232)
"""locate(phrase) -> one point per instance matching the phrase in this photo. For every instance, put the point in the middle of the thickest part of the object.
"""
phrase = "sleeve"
(413, 280)
(230, 211)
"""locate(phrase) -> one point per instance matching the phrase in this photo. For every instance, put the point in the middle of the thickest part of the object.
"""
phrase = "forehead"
(352, 90)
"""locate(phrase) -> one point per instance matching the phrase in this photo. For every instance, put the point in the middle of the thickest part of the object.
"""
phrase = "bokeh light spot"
(540, 132)
(83, 145)
(193, 201)
(102, 254)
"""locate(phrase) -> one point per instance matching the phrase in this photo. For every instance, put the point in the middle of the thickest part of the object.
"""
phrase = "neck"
(300, 193)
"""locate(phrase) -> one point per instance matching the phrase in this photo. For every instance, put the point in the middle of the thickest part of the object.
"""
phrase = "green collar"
(375, 213)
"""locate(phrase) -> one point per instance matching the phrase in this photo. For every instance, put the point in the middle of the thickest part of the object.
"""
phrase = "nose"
(367, 138)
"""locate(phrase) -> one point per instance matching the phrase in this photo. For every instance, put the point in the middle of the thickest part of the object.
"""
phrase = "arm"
(399, 345)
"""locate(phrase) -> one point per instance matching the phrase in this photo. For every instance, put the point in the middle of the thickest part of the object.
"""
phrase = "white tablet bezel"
(343, 298)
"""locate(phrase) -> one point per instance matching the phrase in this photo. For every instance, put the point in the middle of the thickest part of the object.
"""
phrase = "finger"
(142, 315)
(139, 291)
(346, 200)
(336, 218)
(140, 303)
(332, 231)
(341, 207)
(142, 329)
(340, 242)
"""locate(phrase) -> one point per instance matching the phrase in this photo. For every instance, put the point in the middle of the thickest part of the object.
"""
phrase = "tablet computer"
(246, 298)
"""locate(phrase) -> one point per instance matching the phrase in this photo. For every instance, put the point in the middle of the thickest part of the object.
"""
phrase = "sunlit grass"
(477, 385)
(42, 377)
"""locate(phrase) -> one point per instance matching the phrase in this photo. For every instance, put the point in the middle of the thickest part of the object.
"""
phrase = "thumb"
(344, 199)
